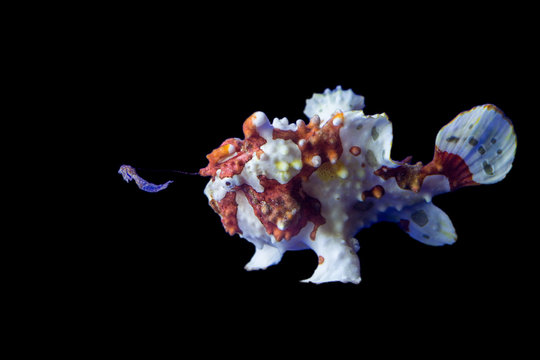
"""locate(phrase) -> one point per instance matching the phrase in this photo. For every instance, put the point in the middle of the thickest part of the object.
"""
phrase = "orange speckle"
(337, 119)
(248, 127)
(332, 155)
(355, 150)
(321, 259)
(377, 192)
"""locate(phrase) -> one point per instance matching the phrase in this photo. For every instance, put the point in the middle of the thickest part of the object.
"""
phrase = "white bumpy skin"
(297, 186)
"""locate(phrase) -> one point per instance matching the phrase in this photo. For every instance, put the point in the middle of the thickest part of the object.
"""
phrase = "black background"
(161, 94)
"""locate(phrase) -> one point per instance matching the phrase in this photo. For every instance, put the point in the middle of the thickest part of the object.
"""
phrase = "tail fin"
(477, 147)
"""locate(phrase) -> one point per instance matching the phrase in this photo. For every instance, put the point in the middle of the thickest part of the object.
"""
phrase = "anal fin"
(426, 223)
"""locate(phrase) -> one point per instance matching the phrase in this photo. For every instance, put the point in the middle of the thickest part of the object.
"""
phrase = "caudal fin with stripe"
(477, 147)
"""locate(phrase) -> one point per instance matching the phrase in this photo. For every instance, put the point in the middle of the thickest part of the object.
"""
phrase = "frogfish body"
(293, 186)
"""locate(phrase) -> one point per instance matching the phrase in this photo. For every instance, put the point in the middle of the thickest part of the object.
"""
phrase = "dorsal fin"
(325, 104)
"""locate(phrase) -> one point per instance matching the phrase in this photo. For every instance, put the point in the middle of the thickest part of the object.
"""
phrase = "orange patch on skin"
(321, 259)
(224, 150)
(227, 209)
(286, 204)
(220, 153)
(244, 149)
(318, 141)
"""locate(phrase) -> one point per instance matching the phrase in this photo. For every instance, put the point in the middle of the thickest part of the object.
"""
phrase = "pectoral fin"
(426, 223)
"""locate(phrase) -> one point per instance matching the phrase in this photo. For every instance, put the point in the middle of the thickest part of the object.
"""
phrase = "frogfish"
(294, 186)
